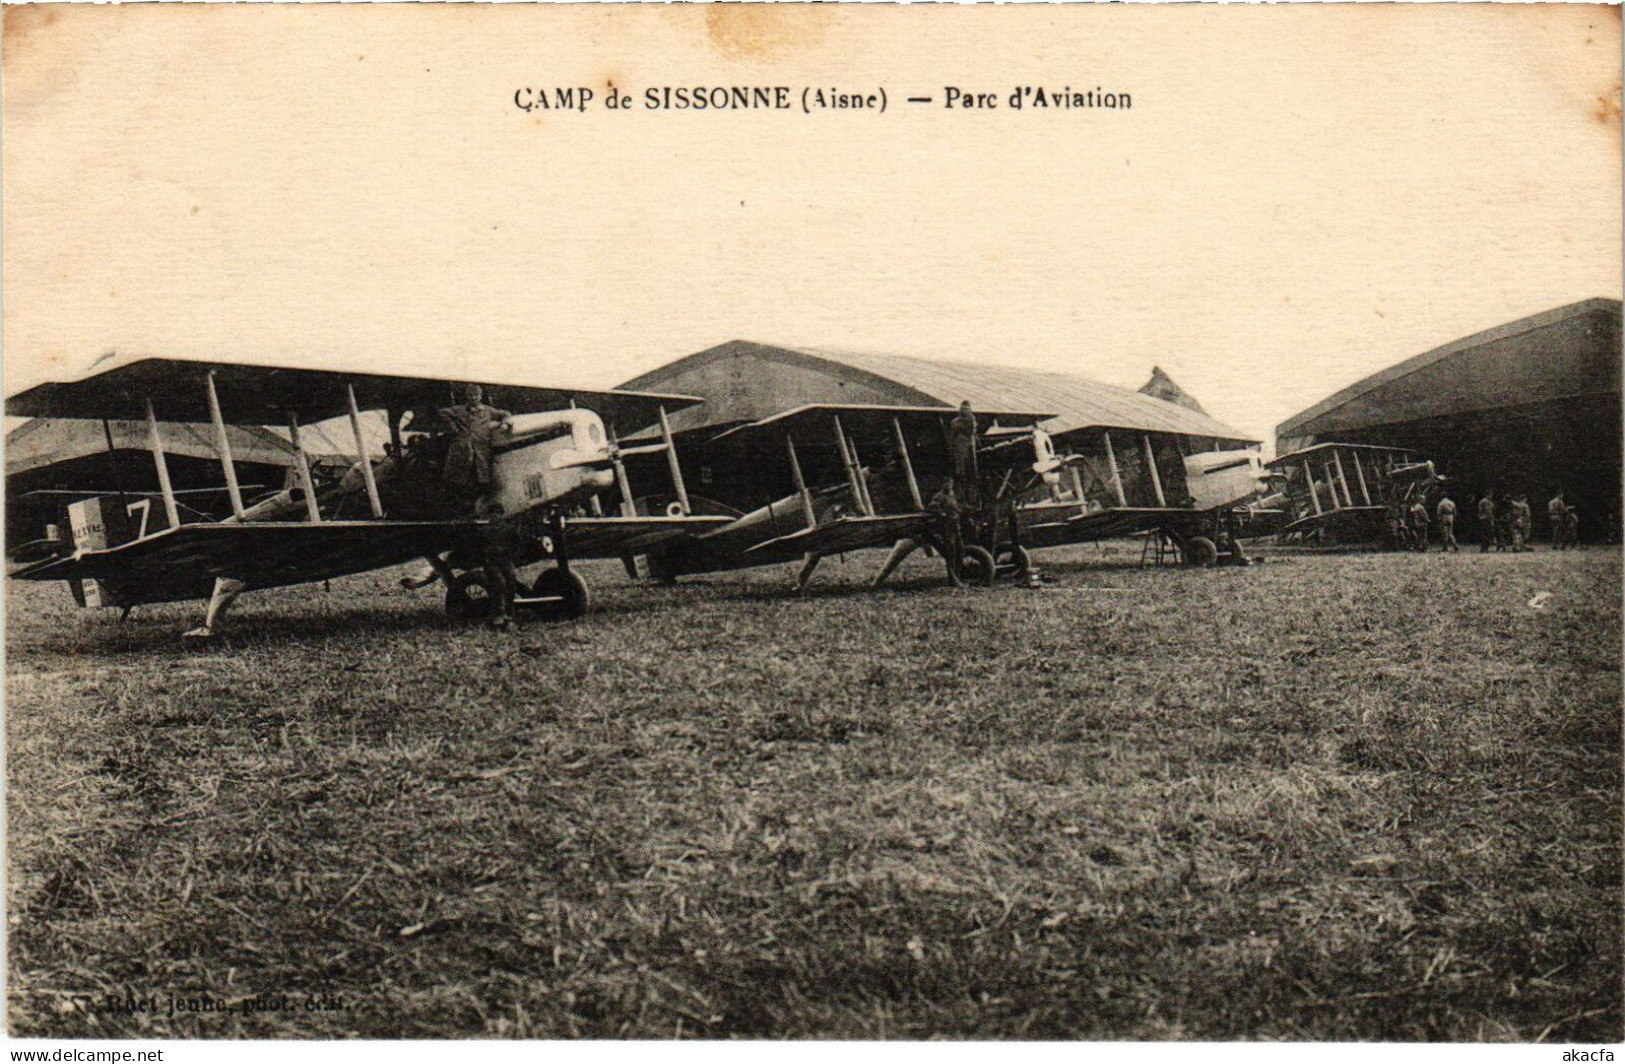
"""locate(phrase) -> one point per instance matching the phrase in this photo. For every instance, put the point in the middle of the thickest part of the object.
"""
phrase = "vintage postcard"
(1089, 523)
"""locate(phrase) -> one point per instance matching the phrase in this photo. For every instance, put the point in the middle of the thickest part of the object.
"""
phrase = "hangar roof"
(1568, 352)
(1079, 403)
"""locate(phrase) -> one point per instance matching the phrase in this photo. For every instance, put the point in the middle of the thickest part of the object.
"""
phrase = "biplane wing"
(1052, 525)
(616, 537)
(267, 395)
(1347, 514)
(809, 425)
(182, 563)
(845, 533)
(279, 554)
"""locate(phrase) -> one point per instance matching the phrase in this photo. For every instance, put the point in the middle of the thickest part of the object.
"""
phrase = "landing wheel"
(1015, 562)
(468, 598)
(1202, 552)
(977, 567)
(567, 589)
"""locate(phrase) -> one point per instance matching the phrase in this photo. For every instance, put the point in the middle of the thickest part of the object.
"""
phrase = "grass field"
(1336, 797)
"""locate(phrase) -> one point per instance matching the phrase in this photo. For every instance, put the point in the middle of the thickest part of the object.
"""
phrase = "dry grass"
(1372, 797)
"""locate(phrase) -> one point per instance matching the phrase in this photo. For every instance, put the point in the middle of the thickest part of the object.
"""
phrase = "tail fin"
(101, 522)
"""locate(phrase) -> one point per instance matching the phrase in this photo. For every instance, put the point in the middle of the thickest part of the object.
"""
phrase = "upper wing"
(812, 424)
(614, 537)
(174, 563)
(844, 534)
(266, 395)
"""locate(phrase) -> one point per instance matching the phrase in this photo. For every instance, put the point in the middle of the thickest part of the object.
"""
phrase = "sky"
(1298, 196)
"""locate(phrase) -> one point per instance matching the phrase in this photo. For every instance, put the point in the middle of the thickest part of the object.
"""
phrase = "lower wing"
(616, 537)
(172, 565)
(846, 533)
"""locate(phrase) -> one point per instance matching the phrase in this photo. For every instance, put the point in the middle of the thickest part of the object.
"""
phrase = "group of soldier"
(1504, 525)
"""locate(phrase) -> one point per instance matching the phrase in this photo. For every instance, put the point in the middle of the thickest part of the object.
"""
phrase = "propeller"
(649, 448)
(609, 458)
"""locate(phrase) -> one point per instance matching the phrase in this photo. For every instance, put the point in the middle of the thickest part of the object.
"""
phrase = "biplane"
(1337, 493)
(553, 456)
(857, 477)
(1191, 504)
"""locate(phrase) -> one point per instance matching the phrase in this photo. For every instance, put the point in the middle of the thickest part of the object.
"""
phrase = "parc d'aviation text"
(813, 98)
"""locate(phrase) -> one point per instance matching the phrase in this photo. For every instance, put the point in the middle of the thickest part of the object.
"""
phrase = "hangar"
(1526, 407)
(743, 381)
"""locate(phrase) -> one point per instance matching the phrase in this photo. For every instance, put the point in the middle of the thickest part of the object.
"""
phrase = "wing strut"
(1309, 479)
(1359, 474)
(222, 443)
(628, 507)
(302, 464)
(801, 484)
(1151, 460)
(1337, 460)
(1077, 481)
(361, 453)
(1331, 486)
(671, 460)
(908, 465)
(1117, 477)
(156, 443)
(850, 464)
(863, 476)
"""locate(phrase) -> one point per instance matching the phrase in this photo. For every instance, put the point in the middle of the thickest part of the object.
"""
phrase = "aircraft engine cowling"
(1045, 462)
(559, 456)
(1224, 478)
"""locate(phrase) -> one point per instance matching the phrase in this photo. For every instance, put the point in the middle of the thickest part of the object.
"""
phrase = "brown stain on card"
(21, 22)
(762, 31)
(1607, 109)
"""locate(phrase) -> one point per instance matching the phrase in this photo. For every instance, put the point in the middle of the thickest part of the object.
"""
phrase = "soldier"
(1419, 523)
(942, 534)
(962, 448)
(1556, 511)
(1486, 522)
(945, 529)
(1445, 513)
(474, 428)
(1397, 533)
(1571, 527)
(1520, 524)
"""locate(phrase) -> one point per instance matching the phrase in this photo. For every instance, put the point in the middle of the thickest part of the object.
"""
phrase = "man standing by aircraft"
(1419, 523)
(1520, 523)
(1445, 513)
(943, 534)
(946, 517)
(1398, 534)
(962, 449)
(474, 428)
(1557, 513)
(1486, 522)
